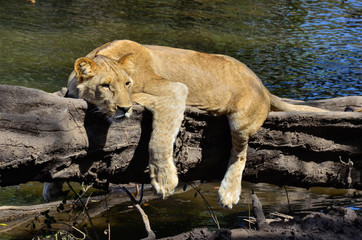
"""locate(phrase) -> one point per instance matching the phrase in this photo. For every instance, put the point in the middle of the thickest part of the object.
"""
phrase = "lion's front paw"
(164, 179)
(229, 193)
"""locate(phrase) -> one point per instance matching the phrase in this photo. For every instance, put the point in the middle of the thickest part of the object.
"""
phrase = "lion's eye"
(105, 85)
(128, 84)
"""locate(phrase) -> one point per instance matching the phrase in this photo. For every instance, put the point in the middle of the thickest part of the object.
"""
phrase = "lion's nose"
(123, 109)
(121, 112)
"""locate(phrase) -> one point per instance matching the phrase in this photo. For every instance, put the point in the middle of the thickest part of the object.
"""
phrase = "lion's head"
(107, 84)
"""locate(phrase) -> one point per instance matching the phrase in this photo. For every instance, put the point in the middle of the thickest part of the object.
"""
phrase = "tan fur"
(165, 80)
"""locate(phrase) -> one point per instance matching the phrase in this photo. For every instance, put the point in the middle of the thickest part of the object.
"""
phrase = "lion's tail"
(276, 104)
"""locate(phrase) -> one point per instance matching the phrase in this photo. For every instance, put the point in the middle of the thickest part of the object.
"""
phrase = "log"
(46, 137)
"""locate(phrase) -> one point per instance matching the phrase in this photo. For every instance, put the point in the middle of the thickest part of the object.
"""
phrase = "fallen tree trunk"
(45, 137)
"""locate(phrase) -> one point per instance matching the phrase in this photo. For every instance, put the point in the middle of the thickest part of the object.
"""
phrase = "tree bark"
(46, 137)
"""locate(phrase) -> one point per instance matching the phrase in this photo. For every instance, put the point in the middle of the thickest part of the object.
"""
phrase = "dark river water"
(300, 49)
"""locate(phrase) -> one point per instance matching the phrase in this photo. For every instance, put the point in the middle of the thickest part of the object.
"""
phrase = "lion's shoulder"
(119, 48)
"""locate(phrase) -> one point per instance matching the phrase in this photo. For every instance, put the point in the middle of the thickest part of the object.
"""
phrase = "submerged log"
(46, 137)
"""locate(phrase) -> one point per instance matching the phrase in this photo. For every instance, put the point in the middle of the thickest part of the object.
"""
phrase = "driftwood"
(46, 137)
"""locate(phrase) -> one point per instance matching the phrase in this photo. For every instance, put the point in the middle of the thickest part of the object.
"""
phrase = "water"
(300, 49)
(183, 212)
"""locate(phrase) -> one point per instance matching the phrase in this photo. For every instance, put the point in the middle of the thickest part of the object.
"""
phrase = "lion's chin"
(120, 115)
(117, 119)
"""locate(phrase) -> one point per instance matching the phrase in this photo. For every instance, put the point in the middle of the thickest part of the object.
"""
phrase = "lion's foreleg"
(167, 102)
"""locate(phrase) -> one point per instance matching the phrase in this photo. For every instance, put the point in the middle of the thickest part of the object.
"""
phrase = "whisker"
(95, 110)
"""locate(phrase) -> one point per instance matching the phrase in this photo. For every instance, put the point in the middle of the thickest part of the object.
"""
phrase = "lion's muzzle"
(121, 113)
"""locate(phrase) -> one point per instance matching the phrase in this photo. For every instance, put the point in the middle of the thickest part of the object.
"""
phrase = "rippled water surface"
(300, 49)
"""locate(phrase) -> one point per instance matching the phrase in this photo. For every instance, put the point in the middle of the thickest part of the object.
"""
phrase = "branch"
(258, 212)
(150, 234)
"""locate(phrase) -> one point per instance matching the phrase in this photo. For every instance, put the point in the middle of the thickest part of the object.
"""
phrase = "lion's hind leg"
(167, 102)
(230, 188)
(242, 127)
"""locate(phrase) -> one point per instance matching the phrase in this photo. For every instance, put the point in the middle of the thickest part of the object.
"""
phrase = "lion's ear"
(85, 68)
(128, 62)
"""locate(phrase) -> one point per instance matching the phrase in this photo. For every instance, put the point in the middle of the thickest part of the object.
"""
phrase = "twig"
(249, 215)
(78, 230)
(79, 195)
(151, 234)
(84, 208)
(86, 203)
(258, 212)
(108, 224)
(37, 233)
(109, 231)
(208, 206)
(84, 235)
(281, 215)
(286, 191)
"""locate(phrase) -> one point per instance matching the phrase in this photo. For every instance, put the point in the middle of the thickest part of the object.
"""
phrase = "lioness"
(165, 80)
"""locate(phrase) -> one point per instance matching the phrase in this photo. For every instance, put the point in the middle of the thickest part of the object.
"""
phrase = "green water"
(183, 212)
(300, 49)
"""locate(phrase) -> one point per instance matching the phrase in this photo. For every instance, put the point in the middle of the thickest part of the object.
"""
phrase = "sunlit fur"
(165, 81)
(109, 88)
